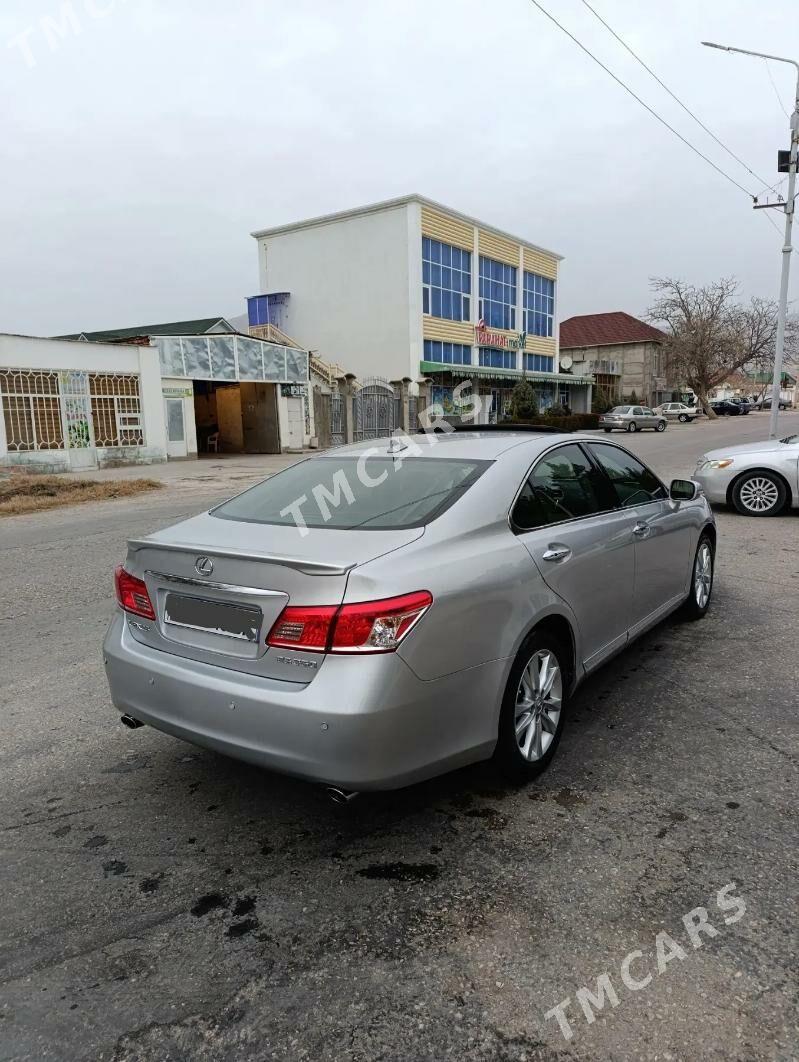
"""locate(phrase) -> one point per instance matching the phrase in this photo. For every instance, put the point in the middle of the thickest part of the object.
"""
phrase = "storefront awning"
(470, 371)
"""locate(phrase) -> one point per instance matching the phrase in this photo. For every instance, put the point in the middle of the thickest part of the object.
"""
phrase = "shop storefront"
(490, 368)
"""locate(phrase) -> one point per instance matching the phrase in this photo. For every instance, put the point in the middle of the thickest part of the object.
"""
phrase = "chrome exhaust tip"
(340, 796)
(130, 722)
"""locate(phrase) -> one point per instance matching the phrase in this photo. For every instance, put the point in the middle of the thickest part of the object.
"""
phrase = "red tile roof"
(605, 329)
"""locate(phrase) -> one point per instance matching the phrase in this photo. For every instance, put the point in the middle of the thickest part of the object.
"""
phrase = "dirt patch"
(25, 493)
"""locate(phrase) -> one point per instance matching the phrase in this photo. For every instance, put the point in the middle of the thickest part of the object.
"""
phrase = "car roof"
(475, 445)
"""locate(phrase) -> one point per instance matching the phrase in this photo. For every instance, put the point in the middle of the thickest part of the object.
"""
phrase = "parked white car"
(678, 411)
(759, 478)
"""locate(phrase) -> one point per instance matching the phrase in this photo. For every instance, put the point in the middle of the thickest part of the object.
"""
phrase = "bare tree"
(711, 335)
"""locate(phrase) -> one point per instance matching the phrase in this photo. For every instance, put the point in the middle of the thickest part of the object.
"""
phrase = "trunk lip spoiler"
(308, 567)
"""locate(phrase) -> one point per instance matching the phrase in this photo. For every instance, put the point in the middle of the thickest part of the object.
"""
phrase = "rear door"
(663, 532)
(582, 544)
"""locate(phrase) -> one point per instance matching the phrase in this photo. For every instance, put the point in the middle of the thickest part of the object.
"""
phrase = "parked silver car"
(632, 418)
(759, 479)
(678, 411)
(384, 612)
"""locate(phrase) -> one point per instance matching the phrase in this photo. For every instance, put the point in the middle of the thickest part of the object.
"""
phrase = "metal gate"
(336, 419)
(375, 410)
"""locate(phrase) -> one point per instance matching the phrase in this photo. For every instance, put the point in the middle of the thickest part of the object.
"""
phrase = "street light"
(782, 309)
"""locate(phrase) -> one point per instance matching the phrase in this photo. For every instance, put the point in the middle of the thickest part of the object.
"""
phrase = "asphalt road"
(162, 902)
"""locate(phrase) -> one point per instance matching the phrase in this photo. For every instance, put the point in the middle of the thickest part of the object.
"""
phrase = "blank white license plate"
(214, 617)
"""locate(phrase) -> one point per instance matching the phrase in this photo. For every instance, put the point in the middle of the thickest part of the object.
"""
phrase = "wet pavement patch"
(115, 866)
(97, 841)
(212, 901)
(567, 798)
(244, 906)
(400, 871)
(241, 929)
(62, 831)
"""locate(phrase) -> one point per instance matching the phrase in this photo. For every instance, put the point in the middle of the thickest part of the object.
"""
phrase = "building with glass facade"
(411, 289)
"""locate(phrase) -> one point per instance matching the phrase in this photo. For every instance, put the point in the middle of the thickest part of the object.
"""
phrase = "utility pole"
(782, 310)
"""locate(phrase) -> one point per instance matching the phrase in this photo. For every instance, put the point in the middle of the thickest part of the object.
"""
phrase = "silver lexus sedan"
(388, 611)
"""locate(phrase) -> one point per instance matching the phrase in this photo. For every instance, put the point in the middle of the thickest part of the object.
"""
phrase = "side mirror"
(683, 490)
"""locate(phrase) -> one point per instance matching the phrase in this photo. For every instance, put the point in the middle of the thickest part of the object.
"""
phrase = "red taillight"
(132, 594)
(378, 626)
(367, 627)
(303, 628)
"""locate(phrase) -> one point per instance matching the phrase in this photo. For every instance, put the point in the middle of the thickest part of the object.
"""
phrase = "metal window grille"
(116, 409)
(31, 409)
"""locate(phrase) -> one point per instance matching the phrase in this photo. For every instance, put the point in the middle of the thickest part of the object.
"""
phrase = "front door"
(582, 546)
(296, 423)
(175, 428)
(663, 533)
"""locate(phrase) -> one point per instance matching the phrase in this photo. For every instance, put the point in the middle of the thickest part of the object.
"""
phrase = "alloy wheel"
(758, 494)
(703, 575)
(538, 704)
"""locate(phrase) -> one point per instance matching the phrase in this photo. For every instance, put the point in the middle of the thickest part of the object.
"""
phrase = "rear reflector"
(132, 594)
(366, 627)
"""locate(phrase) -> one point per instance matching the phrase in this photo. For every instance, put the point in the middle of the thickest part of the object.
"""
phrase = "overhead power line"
(776, 90)
(675, 97)
(638, 99)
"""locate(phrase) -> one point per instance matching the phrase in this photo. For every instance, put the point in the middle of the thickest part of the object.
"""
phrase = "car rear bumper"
(363, 722)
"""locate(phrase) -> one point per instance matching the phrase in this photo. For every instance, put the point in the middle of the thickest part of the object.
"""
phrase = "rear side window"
(562, 486)
(356, 493)
(633, 483)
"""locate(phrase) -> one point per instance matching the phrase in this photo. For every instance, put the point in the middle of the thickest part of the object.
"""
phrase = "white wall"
(34, 352)
(350, 289)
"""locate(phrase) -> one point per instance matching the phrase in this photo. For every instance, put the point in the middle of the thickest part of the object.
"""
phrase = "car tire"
(698, 601)
(608, 430)
(683, 418)
(522, 704)
(759, 494)
(632, 426)
(661, 425)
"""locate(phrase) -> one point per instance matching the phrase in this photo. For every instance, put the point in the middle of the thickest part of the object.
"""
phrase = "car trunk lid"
(217, 587)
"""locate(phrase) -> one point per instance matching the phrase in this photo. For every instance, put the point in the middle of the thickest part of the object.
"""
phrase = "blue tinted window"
(539, 363)
(447, 353)
(498, 359)
(497, 293)
(539, 305)
(447, 280)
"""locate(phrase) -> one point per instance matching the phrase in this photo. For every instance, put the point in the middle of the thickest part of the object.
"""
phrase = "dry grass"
(25, 493)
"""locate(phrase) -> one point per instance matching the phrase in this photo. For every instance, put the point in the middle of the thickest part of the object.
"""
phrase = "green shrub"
(600, 401)
(573, 422)
(523, 404)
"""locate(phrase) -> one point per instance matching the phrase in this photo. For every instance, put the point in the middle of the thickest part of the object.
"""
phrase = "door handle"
(641, 530)
(556, 553)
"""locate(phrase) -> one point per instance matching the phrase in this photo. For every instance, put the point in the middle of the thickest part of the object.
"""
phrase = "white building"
(140, 396)
(408, 288)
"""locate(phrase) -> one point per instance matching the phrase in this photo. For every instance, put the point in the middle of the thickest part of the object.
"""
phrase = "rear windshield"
(621, 409)
(356, 493)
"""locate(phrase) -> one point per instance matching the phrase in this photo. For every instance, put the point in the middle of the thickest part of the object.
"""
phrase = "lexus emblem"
(204, 566)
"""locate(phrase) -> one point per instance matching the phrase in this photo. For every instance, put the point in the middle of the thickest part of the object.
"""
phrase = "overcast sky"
(145, 140)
